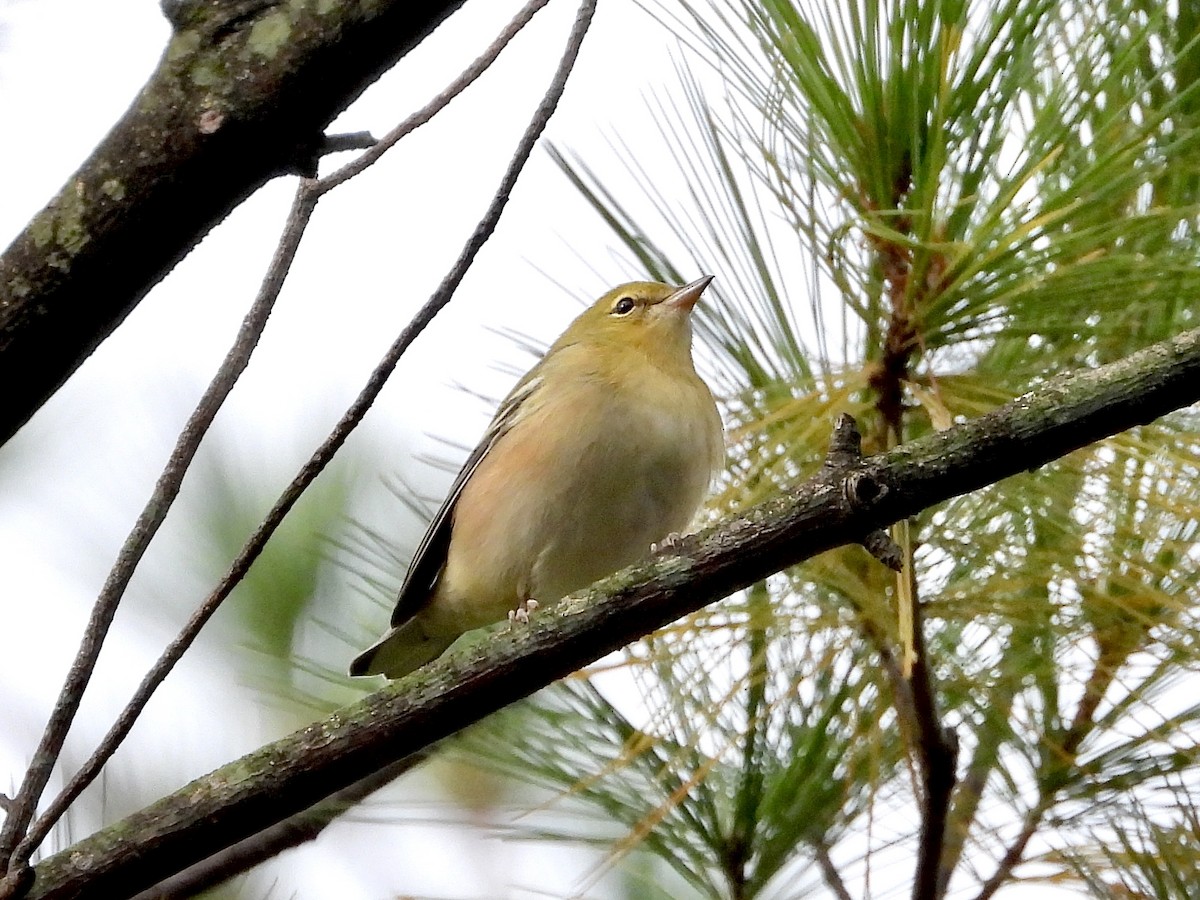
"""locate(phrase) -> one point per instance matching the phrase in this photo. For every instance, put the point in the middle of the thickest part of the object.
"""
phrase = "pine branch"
(283, 778)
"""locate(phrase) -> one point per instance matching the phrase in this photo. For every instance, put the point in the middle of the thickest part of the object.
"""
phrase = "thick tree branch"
(277, 781)
(243, 92)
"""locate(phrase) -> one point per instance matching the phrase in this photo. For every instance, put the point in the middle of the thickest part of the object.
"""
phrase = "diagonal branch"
(1016, 850)
(306, 199)
(280, 779)
(829, 871)
(153, 514)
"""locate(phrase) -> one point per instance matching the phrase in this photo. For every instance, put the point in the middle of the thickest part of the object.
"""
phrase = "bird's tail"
(403, 649)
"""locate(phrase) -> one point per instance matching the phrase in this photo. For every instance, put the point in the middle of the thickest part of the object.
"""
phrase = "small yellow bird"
(607, 445)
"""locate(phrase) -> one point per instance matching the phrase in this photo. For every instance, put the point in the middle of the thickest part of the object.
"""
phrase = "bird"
(608, 445)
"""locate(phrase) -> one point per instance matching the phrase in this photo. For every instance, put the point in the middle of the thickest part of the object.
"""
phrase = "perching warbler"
(604, 447)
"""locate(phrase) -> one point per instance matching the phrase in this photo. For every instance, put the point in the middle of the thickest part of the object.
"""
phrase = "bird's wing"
(430, 559)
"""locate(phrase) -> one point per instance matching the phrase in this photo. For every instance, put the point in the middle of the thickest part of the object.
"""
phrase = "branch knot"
(859, 488)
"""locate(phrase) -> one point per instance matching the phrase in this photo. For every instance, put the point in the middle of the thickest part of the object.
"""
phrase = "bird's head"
(645, 315)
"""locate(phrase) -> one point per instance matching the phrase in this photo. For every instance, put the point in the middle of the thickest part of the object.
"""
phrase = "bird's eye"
(624, 306)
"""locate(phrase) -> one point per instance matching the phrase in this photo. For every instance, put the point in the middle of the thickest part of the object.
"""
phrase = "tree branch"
(243, 92)
(340, 143)
(938, 747)
(829, 871)
(287, 776)
(1012, 856)
(307, 197)
(299, 829)
(166, 489)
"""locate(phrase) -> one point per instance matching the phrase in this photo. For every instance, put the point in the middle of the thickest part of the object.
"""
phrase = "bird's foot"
(521, 614)
(671, 542)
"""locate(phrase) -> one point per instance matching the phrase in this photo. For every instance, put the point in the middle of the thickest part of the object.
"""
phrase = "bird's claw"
(671, 542)
(521, 614)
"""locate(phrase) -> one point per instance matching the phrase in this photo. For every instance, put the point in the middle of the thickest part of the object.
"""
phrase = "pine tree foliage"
(917, 209)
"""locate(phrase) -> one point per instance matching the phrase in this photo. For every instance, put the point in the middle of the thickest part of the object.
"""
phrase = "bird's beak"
(686, 296)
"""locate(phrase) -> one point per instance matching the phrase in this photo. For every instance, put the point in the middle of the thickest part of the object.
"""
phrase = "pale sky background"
(74, 479)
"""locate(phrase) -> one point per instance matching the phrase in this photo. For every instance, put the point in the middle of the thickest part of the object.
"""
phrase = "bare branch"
(289, 775)
(1016, 849)
(1052, 775)
(829, 872)
(438, 103)
(155, 511)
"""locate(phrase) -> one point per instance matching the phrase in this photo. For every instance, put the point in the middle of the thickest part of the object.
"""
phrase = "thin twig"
(833, 878)
(1016, 850)
(321, 457)
(434, 106)
(1052, 777)
(352, 140)
(135, 546)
